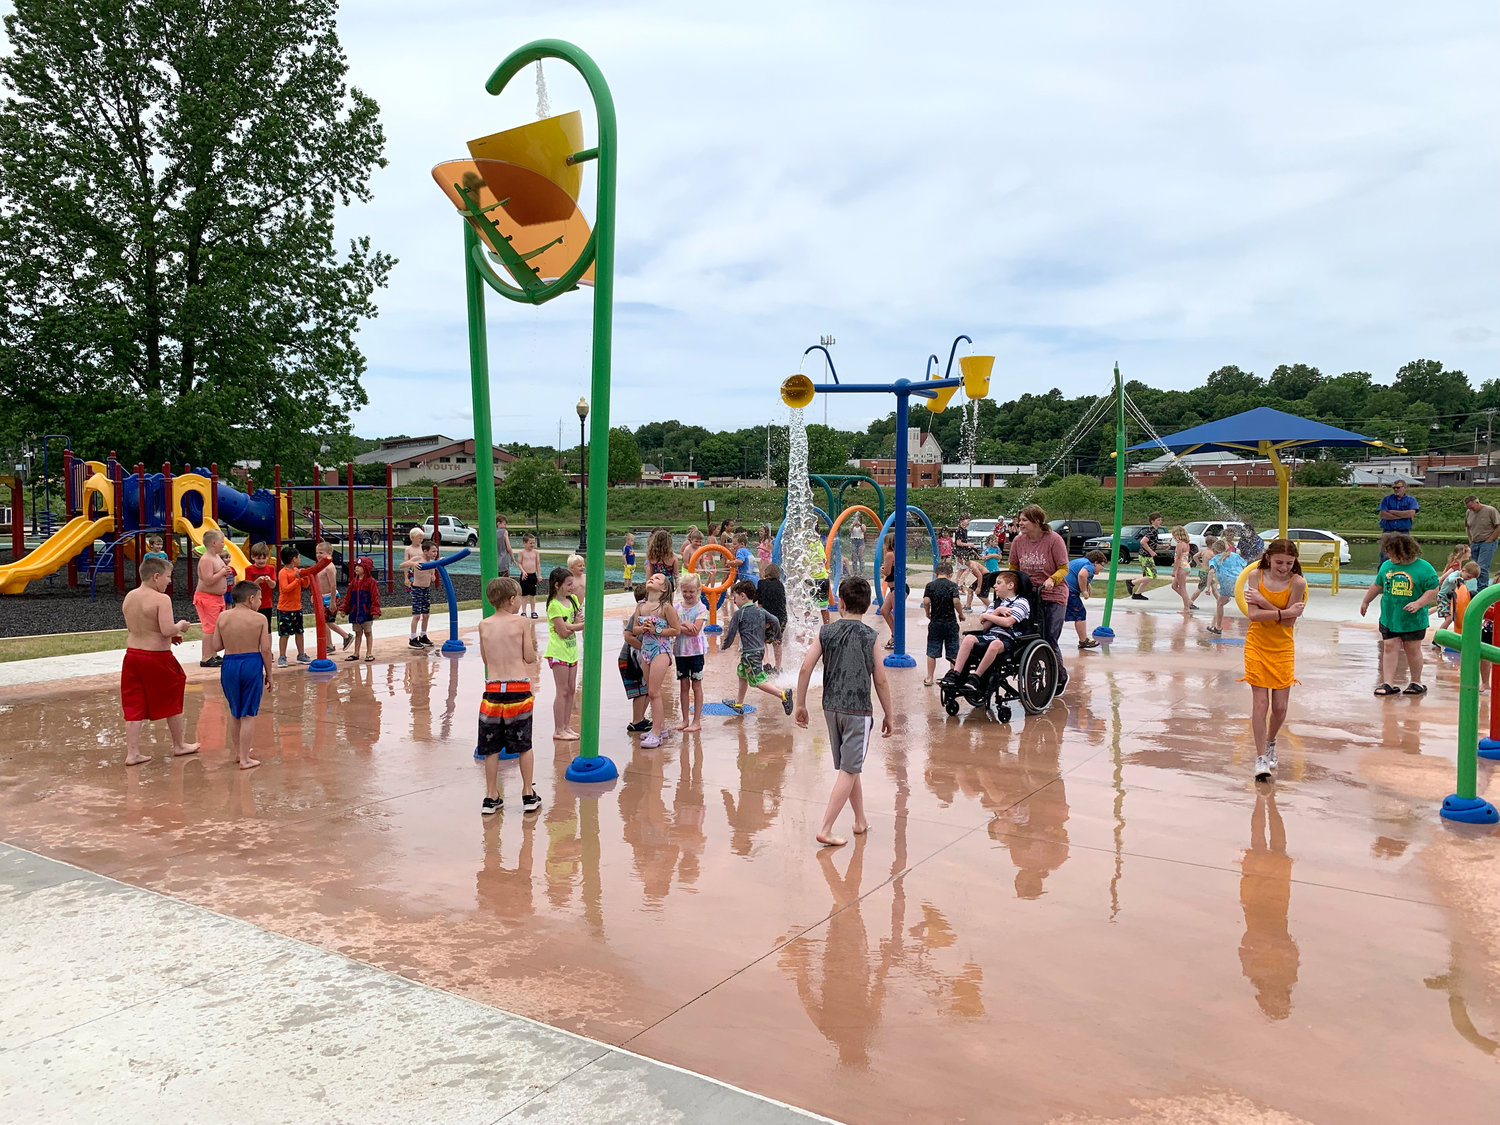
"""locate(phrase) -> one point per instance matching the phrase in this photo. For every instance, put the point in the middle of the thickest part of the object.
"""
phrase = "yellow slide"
(194, 532)
(74, 536)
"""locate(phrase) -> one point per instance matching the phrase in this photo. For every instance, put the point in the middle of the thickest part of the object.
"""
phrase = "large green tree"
(170, 175)
(534, 485)
(624, 456)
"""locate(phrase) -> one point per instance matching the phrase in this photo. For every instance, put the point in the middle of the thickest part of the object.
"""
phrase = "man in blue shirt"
(1396, 509)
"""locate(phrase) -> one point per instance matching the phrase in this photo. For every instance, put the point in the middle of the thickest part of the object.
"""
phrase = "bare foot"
(249, 764)
(831, 841)
(185, 748)
(690, 728)
(860, 828)
(139, 759)
(566, 736)
(682, 726)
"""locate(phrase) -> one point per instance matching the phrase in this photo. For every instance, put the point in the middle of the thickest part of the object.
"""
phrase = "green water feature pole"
(1465, 805)
(1104, 632)
(528, 288)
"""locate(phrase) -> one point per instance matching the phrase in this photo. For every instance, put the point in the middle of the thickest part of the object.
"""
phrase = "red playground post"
(322, 663)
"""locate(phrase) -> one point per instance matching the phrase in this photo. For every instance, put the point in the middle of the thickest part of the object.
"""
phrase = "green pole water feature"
(484, 446)
(590, 765)
(1104, 631)
(1465, 805)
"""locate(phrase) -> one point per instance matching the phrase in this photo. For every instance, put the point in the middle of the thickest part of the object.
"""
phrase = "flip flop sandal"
(1415, 689)
(926, 683)
(369, 660)
(1387, 689)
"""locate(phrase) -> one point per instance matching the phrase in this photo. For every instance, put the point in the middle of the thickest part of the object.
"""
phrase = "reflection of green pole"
(1114, 551)
(484, 446)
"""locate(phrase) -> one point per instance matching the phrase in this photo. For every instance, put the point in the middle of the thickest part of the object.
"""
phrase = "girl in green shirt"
(563, 627)
(1406, 585)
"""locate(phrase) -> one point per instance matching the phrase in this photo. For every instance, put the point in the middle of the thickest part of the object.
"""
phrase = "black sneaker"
(638, 728)
(786, 700)
(491, 806)
(414, 643)
(531, 802)
(425, 643)
(1139, 598)
(211, 662)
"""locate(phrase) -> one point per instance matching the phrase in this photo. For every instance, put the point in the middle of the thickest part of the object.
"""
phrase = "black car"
(1076, 533)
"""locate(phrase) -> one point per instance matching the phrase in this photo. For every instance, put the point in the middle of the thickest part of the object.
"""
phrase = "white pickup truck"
(452, 531)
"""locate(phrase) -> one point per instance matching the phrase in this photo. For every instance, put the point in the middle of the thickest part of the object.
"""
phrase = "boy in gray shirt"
(847, 649)
(750, 624)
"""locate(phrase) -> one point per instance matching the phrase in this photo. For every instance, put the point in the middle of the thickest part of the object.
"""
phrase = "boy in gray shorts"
(847, 649)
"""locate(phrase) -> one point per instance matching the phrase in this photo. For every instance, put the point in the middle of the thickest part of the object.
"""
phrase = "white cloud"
(1177, 186)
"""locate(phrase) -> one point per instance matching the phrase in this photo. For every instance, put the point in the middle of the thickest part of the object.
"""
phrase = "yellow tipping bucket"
(943, 396)
(797, 391)
(976, 372)
(542, 147)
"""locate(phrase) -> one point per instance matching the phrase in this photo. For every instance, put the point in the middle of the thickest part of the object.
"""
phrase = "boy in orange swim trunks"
(214, 576)
(152, 679)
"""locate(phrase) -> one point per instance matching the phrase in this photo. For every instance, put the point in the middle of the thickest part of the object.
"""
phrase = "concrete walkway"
(120, 1004)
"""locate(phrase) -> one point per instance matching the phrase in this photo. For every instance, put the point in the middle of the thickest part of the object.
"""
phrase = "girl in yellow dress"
(1275, 594)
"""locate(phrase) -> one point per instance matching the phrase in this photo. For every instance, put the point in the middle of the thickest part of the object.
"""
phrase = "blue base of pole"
(453, 644)
(1489, 749)
(900, 660)
(507, 755)
(1104, 632)
(1469, 810)
(597, 768)
(713, 628)
(322, 666)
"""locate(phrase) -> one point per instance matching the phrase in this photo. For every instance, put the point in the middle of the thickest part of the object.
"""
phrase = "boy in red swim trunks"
(151, 679)
(214, 576)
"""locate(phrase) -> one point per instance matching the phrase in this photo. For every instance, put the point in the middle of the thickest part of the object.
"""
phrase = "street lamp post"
(583, 478)
(1234, 493)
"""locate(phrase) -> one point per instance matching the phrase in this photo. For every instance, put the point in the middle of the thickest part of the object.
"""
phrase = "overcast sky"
(1174, 185)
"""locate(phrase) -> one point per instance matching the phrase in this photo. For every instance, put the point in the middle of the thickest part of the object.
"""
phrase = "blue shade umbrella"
(1266, 433)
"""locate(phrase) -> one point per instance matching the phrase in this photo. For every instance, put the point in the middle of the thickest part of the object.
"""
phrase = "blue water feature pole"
(799, 391)
(452, 644)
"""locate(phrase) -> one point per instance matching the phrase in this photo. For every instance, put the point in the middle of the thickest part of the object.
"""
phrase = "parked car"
(1130, 543)
(451, 530)
(1076, 533)
(1312, 543)
(1200, 531)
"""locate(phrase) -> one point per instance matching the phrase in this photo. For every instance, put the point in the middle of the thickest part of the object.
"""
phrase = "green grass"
(70, 644)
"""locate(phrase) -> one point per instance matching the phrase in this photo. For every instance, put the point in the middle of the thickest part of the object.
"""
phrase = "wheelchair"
(1026, 674)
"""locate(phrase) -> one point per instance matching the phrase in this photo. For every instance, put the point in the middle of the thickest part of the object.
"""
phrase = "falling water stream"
(543, 103)
(798, 542)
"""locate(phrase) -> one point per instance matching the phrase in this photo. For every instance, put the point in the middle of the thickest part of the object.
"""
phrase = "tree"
(1076, 495)
(1293, 383)
(533, 486)
(1174, 476)
(1320, 474)
(624, 456)
(170, 172)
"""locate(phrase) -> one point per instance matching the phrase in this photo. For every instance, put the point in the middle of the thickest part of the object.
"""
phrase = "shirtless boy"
(214, 576)
(152, 679)
(419, 583)
(246, 671)
(530, 562)
(508, 646)
(328, 589)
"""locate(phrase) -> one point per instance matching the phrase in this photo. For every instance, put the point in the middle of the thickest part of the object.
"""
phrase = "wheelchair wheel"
(1037, 677)
(951, 706)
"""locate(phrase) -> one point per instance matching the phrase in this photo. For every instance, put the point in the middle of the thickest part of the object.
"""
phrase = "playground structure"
(798, 391)
(452, 646)
(107, 504)
(518, 195)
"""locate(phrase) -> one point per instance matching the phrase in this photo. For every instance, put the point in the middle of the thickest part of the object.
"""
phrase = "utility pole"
(1489, 436)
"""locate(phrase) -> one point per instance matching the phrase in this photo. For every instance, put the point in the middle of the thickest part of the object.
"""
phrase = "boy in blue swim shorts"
(242, 635)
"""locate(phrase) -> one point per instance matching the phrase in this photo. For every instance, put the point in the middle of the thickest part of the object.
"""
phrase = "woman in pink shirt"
(1040, 553)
